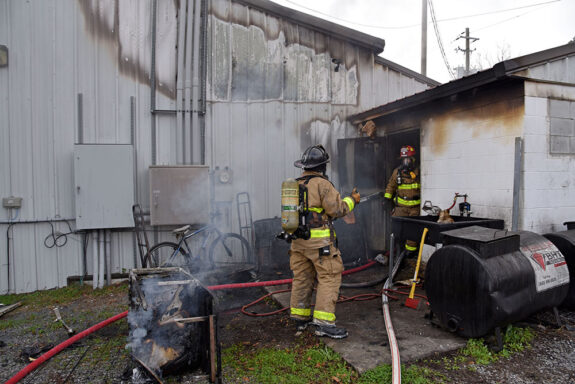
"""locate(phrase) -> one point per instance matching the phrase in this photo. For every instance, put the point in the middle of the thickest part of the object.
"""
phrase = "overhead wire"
(439, 40)
(418, 24)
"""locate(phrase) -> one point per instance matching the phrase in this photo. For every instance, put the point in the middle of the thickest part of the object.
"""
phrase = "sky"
(504, 28)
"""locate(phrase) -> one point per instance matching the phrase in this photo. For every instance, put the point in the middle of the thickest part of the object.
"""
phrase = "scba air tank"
(485, 278)
(290, 205)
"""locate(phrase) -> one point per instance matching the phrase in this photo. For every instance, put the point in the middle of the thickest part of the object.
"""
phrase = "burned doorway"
(367, 164)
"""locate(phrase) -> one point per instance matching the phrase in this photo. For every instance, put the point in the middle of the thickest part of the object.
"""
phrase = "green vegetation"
(320, 364)
(316, 364)
(514, 340)
(59, 296)
(412, 374)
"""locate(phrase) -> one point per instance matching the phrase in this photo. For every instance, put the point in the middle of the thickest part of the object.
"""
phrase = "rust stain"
(100, 31)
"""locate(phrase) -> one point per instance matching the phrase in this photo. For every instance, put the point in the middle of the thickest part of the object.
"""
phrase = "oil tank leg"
(557, 317)
(499, 339)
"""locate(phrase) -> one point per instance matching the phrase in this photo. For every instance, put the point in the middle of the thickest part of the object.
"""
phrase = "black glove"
(388, 203)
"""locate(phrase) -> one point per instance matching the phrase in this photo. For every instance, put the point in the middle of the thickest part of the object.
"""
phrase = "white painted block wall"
(471, 152)
(548, 180)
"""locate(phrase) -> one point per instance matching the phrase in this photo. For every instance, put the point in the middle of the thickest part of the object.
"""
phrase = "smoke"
(157, 340)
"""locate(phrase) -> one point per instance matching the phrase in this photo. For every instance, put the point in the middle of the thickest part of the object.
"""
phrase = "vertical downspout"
(108, 257)
(203, 77)
(135, 159)
(153, 91)
(195, 130)
(187, 139)
(516, 183)
(102, 258)
(179, 82)
(95, 260)
(153, 81)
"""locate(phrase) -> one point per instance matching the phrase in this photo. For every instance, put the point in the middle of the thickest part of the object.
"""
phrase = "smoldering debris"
(169, 331)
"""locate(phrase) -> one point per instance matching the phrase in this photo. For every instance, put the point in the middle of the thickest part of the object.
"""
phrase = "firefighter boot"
(301, 325)
(331, 331)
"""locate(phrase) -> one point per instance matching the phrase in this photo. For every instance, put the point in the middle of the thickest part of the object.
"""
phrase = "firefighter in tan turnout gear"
(404, 190)
(318, 257)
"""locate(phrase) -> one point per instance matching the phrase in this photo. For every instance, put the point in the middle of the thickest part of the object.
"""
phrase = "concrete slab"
(367, 344)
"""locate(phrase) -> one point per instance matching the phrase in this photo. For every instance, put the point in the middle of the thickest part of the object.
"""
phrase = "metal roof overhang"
(374, 44)
(499, 72)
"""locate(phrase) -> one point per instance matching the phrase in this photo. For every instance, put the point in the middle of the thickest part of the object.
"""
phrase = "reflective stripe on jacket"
(406, 194)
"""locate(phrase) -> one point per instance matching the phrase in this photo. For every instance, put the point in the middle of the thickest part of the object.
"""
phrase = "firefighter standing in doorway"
(318, 256)
(404, 191)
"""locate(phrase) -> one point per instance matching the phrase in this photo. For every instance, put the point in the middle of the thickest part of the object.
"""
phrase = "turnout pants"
(307, 266)
(410, 245)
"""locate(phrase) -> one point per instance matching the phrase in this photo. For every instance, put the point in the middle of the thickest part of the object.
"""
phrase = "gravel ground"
(102, 357)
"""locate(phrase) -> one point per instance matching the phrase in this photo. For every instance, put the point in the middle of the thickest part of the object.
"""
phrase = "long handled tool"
(411, 302)
(350, 217)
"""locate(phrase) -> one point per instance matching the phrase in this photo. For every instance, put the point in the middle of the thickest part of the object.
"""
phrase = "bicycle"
(170, 254)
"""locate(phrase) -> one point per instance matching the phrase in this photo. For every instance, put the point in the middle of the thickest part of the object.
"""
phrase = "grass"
(59, 296)
(515, 340)
(316, 364)
(320, 364)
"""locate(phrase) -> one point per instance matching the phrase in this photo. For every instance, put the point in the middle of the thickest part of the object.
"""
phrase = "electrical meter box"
(104, 185)
(179, 195)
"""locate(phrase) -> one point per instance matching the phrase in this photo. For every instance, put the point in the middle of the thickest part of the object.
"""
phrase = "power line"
(417, 25)
(439, 41)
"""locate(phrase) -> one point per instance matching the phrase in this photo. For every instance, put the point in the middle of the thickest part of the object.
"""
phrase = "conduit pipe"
(57, 349)
(102, 259)
(95, 261)
(108, 257)
(195, 131)
(180, 80)
(187, 125)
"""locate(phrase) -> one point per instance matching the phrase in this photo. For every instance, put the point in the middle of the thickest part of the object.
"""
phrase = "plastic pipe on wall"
(95, 261)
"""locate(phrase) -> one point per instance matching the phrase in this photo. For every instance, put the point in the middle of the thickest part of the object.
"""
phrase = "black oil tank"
(565, 241)
(483, 278)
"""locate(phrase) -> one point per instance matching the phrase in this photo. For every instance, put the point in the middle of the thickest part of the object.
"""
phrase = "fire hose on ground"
(65, 344)
(395, 358)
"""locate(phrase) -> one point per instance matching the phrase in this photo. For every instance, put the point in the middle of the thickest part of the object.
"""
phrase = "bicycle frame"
(182, 242)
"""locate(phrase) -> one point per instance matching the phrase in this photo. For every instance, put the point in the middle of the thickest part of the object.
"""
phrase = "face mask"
(406, 163)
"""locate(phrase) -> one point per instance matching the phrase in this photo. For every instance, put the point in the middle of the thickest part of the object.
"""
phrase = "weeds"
(412, 374)
(515, 340)
(267, 365)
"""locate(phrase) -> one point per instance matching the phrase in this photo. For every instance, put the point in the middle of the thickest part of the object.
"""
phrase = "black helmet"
(312, 157)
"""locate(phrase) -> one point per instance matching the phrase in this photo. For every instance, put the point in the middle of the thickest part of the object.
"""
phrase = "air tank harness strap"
(316, 211)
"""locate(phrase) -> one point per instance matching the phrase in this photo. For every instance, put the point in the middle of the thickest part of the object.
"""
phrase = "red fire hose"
(36, 363)
(57, 349)
(279, 282)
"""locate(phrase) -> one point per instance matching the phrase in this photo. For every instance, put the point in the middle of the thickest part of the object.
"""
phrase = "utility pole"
(468, 41)
(424, 37)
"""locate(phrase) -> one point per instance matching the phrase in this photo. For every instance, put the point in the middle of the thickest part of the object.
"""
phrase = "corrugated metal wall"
(274, 88)
(80, 71)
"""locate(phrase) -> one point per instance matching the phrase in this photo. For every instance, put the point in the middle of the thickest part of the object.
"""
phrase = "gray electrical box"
(104, 185)
(179, 195)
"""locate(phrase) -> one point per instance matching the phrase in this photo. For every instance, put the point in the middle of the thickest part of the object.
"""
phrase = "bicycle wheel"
(233, 246)
(166, 254)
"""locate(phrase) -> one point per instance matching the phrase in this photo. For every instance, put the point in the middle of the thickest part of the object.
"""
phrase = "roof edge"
(522, 62)
(373, 43)
(406, 71)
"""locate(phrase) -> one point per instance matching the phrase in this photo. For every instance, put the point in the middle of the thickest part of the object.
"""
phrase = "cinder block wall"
(548, 179)
(469, 148)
